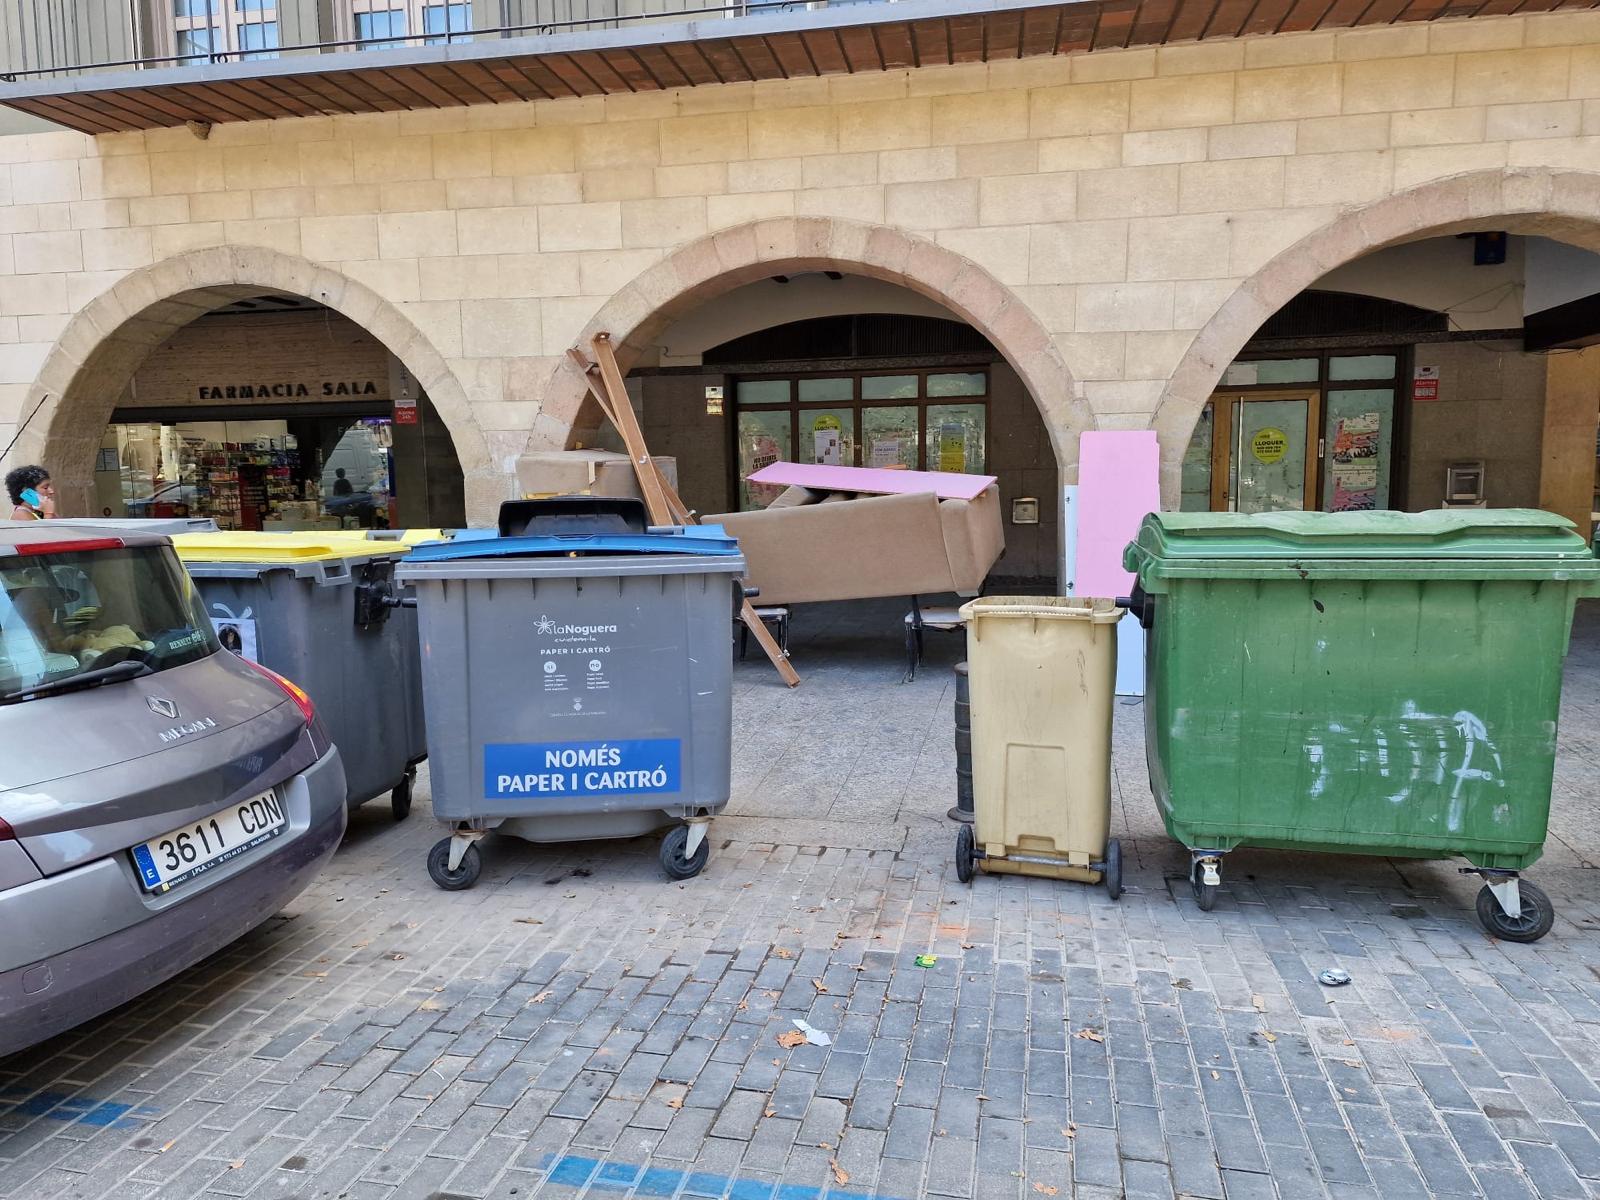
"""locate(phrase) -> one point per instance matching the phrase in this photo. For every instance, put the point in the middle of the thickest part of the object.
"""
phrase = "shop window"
(1362, 366)
(889, 387)
(1251, 372)
(298, 473)
(239, 28)
(817, 390)
(844, 421)
(386, 24)
(967, 384)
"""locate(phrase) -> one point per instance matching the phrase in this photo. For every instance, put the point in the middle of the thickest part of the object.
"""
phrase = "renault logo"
(162, 707)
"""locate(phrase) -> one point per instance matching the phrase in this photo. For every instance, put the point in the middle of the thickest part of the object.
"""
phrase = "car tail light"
(295, 692)
(69, 547)
(7, 834)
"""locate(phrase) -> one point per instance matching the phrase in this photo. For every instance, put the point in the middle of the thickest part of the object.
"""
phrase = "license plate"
(173, 858)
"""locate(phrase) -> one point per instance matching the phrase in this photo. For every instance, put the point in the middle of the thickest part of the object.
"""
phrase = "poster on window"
(952, 448)
(886, 452)
(1357, 445)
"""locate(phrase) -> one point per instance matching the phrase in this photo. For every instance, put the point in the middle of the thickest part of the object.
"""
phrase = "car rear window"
(63, 614)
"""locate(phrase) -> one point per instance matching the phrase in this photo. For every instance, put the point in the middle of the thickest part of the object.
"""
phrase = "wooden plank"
(691, 64)
(577, 80)
(517, 81)
(859, 49)
(1039, 26)
(1151, 20)
(789, 51)
(824, 50)
(758, 58)
(1345, 14)
(65, 112)
(894, 46)
(1115, 26)
(652, 483)
(1266, 17)
(1304, 15)
(1189, 22)
(1077, 31)
(725, 61)
(538, 70)
(485, 79)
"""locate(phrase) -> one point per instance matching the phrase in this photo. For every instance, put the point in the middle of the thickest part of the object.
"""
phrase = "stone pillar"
(1567, 456)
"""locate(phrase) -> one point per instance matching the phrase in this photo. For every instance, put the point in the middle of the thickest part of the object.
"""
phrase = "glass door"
(1254, 452)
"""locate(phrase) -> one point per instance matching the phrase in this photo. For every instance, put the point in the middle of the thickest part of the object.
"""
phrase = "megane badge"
(162, 707)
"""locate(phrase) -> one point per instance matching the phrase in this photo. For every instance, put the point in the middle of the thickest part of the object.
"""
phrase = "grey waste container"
(321, 611)
(579, 683)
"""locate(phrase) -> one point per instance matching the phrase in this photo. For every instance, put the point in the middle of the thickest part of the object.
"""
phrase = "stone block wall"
(1117, 223)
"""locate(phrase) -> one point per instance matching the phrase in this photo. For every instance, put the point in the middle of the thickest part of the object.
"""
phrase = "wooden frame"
(1221, 404)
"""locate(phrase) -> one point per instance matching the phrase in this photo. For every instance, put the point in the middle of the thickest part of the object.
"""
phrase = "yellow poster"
(952, 448)
(1269, 445)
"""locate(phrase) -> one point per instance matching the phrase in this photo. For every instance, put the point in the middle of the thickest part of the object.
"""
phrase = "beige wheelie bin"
(1042, 673)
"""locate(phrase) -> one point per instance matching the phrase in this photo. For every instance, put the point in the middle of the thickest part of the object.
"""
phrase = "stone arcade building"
(1095, 210)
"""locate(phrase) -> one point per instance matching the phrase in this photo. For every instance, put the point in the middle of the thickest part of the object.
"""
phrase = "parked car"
(159, 796)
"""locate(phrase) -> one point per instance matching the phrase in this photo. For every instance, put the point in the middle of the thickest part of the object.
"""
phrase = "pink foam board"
(947, 485)
(1119, 481)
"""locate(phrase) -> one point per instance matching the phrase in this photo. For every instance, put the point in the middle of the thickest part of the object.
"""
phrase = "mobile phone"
(31, 498)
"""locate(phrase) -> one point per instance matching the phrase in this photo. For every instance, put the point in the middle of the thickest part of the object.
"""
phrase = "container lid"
(1224, 544)
(692, 539)
(278, 549)
(1048, 608)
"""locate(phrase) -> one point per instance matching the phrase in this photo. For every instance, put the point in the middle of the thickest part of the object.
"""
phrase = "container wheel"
(1113, 869)
(673, 860)
(1538, 914)
(400, 798)
(966, 859)
(463, 876)
(1205, 894)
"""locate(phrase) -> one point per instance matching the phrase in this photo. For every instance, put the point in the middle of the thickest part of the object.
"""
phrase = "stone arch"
(1561, 205)
(105, 343)
(727, 259)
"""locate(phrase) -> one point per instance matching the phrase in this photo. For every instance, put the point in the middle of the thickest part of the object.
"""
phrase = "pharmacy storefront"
(276, 422)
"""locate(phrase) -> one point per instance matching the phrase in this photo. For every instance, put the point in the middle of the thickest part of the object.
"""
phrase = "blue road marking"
(574, 1171)
(83, 1110)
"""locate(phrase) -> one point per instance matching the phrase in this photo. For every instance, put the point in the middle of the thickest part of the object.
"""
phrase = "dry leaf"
(1258, 1003)
(782, 953)
(840, 1175)
(966, 945)
(428, 1006)
(770, 1112)
(675, 1102)
(824, 1145)
(1271, 1037)
(772, 993)
(541, 997)
(168, 1146)
(981, 1096)
(819, 985)
(236, 1164)
(1070, 1131)
(790, 1038)
(1089, 1035)
(1044, 1189)
(314, 974)
(1350, 1062)
(744, 1006)
(1214, 1075)
(527, 920)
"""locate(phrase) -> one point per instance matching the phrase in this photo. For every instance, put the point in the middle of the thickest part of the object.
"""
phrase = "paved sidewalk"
(577, 1025)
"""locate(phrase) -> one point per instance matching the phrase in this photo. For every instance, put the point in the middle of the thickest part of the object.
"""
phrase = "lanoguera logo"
(549, 628)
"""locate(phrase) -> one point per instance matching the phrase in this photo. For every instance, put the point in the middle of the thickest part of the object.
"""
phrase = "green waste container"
(1373, 683)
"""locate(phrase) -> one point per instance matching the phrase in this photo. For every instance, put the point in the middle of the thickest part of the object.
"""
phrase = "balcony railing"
(601, 15)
